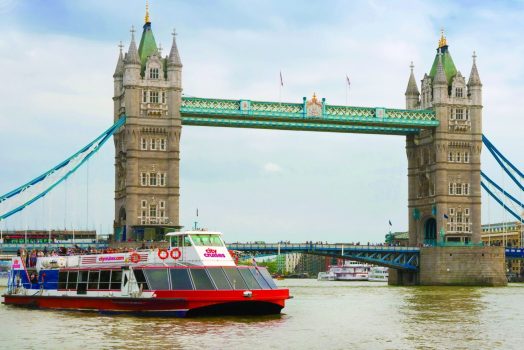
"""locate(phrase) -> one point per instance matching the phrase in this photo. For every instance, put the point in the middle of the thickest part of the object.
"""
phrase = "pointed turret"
(119, 70)
(131, 62)
(440, 82)
(440, 76)
(474, 78)
(474, 84)
(412, 94)
(132, 53)
(174, 57)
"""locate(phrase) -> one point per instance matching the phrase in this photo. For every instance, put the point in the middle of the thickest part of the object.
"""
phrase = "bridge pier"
(453, 266)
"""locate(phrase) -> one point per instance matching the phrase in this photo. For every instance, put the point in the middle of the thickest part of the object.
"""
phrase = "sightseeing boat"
(195, 276)
(348, 271)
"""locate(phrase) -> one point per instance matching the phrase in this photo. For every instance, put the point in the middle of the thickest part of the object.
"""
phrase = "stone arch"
(430, 231)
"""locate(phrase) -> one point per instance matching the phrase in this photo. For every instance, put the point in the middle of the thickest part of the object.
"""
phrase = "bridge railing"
(317, 246)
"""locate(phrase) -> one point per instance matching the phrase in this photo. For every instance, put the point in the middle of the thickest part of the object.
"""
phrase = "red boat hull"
(177, 303)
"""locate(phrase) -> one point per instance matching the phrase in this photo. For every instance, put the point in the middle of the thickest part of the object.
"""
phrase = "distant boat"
(378, 274)
(349, 271)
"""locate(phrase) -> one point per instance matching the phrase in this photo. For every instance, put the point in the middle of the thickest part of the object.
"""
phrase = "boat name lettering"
(212, 253)
(110, 258)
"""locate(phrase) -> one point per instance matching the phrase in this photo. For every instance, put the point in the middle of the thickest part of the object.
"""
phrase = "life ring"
(176, 253)
(163, 254)
(135, 258)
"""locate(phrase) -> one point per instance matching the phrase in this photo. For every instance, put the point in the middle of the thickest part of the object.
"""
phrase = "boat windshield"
(207, 240)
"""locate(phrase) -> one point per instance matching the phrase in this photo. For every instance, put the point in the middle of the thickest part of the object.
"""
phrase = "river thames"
(322, 315)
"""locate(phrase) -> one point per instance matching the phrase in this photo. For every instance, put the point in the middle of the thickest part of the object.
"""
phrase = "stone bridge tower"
(444, 163)
(147, 89)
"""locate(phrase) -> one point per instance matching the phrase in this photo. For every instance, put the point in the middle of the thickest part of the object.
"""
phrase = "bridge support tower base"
(456, 266)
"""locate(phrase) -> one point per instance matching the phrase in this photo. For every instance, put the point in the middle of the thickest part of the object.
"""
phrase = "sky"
(58, 58)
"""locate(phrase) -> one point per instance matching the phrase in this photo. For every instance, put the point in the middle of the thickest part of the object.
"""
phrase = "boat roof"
(171, 234)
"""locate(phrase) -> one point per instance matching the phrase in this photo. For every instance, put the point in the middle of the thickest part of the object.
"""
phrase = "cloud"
(272, 168)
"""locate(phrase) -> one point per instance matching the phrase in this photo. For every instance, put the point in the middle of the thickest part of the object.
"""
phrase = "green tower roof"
(147, 45)
(447, 63)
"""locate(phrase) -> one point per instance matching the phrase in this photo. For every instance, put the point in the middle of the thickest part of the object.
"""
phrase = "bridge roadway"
(402, 258)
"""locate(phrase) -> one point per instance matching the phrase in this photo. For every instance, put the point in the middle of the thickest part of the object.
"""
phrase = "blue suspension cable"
(498, 156)
(516, 216)
(100, 139)
(109, 132)
(491, 182)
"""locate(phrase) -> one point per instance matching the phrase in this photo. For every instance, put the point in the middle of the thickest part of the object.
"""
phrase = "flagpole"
(280, 88)
(346, 89)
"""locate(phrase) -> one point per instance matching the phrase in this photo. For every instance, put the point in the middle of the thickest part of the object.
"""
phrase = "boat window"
(62, 280)
(116, 279)
(182, 241)
(93, 279)
(157, 279)
(235, 278)
(207, 240)
(258, 276)
(141, 279)
(105, 276)
(201, 279)
(71, 280)
(180, 279)
(219, 277)
(249, 278)
(267, 277)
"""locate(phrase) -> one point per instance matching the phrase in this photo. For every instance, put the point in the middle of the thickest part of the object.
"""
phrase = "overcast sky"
(58, 58)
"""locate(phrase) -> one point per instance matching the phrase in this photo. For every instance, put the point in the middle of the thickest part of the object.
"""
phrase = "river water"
(322, 315)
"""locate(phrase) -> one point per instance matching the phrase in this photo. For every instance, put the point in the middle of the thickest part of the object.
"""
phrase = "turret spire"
(174, 57)
(119, 70)
(474, 78)
(412, 89)
(132, 53)
(146, 18)
(442, 42)
(440, 76)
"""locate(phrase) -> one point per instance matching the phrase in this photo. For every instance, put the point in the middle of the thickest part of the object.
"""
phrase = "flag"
(281, 80)
(446, 216)
(347, 79)
(390, 223)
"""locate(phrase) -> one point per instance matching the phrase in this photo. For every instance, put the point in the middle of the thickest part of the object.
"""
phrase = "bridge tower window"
(459, 92)
(152, 179)
(153, 96)
(144, 177)
(153, 73)
(144, 96)
(450, 157)
(459, 113)
(466, 157)
(163, 143)
(153, 144)
(143, 144)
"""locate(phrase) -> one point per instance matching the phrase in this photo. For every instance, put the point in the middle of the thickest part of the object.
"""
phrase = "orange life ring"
(134, 258)
(177, 255)
(163, 254)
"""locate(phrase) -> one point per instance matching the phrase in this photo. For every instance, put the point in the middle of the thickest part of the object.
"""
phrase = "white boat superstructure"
(348, 271)
(326, 276)
(378, 274)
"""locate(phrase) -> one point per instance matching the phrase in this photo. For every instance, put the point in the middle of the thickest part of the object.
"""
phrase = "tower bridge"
(442, 124)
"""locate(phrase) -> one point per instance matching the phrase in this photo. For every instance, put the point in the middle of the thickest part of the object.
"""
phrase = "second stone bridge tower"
(444, 163)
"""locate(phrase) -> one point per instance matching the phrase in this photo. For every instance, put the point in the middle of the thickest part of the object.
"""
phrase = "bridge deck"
(404, 258)
(294, 116)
